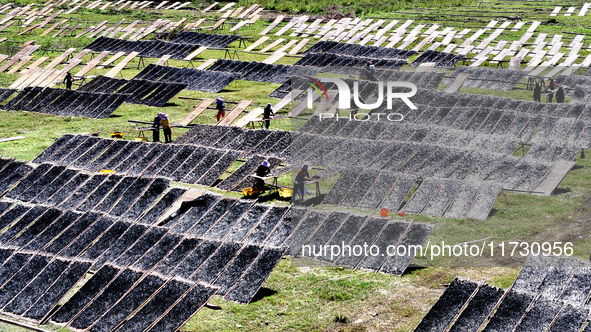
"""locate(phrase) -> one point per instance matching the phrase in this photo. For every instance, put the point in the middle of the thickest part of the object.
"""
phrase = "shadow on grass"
(262, 293)
(310, 202)
(412, 268)
(561, 191)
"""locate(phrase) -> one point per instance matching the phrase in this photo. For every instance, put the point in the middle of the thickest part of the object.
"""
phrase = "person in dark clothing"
(267, 114)
(560, 95)
(68, 80)
(220, 105)
(263, 170)
(156, 130)
(551, 89)
(301, 177)
(538, 93)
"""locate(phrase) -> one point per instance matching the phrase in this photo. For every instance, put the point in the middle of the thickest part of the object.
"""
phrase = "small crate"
(250, 192)
(285, 193)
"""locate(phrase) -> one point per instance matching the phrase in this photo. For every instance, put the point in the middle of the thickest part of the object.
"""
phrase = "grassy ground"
(333, 299)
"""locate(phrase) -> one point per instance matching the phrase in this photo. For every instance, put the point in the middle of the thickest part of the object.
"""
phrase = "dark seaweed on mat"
(106, 240)
(177, 255)
(13, 214)
(145, 243)
(37, 287)
(448, 306)
(147, 199)
(39, 226)
(23, 222)
(199, 207)
(256, 274)
(88, 236)
(157, 252)
(110, 295)
(85, 294)
(126, 240)
(236, 268)
(185, 308)
(58, 290)
(22, 278)
(164, 299)
(12, 266)
(192, 262)
(128, 304)
(216, 262)
(161, 206)
(65, 238)
(64, 192)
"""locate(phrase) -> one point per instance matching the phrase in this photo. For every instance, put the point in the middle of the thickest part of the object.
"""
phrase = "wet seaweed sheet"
(141, 246)
(106, 240)
(58, 290)
(42, 231)
(128, 304)
(203, 224)
(192, 261)
(236, 268)
(265, 225)
(209, 270)
(23, 222)
(53, 148)
(223, 225)
(88, 236)
(156, 188)
(108, 297)
(161, 206)
(257, 273)
(132, 234)
(509, 311)
(67, 236)
(157, 252)
(177, 255)
(478, 309)
(37, 287)
(11, 288)
(28, 180)
(93, 184)
(186, 308)
(13, 214)
(242, 228)
(155, 307)
(571, 318)
(66, 190)
(199, 207)
(539, 316)
(12, 265)
(85, 294)
(448, 306)
(44, 221)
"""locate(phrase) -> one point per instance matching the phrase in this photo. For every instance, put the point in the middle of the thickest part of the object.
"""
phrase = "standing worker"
(68, 80)
(301, 177)
(156, 130)
(263, 170)
(166, 128)
(551, 89)
(267, 114)
(220, 105)
(560, 95)
(538, 93)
